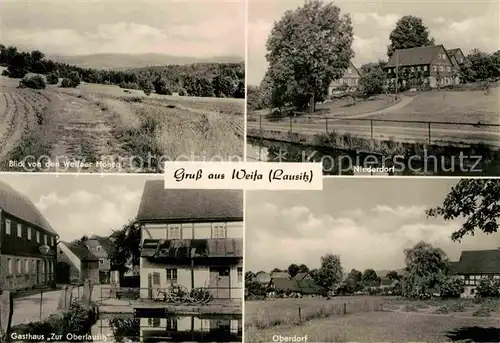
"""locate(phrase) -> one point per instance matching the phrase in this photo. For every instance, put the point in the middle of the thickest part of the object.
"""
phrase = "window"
(18, 266)
(29, 232)
(33, 266)
(174, 232)
(154, 322)
(448, 68)
(45, 239)
(412, 68)
(425, 68)
(472, 291)
(9, 265)
(19, 230)
(349, 70)
(441, 68)
(171, 276)
(101, 261)
(460, 60)
(98, 248)
(26, 266)
(240, 274)
(434, 68)
(219, 231)
(7, 226)
(38, 237)
(171, 324)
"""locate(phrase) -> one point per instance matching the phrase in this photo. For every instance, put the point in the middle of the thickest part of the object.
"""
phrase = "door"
(220, 282)
(154, 285)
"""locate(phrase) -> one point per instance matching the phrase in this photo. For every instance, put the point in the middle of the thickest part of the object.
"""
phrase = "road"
(397, 132)
(27, 309)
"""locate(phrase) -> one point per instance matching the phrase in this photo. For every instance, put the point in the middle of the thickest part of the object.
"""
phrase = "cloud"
(372, 30)
(372, 238)
(81, 212)
(205, 38)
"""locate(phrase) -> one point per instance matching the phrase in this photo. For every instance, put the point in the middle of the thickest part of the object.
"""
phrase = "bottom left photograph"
(119, 258)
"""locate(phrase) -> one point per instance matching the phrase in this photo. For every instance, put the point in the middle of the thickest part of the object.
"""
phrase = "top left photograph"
(120, 87)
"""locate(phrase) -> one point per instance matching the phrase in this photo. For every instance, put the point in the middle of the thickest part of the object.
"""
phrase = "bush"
(78, 320)
(53, 79)
(488, 288)
(33, 82)
(452, 287)
(129, 85)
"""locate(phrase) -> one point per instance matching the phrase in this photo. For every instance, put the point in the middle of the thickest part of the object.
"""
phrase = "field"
(125, 129)
(381, 320)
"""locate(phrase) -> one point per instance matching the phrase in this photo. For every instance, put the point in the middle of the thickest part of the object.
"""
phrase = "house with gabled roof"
(349, 79)
(100, 247)
(192, 238)
(27, 243)
(431, 64)
(475, 265)
(301, 286)
(457, 56)
(280, 275)
(76, 263)
(303, 276)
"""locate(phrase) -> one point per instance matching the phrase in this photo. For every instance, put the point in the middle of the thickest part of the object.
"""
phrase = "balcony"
(192, 248)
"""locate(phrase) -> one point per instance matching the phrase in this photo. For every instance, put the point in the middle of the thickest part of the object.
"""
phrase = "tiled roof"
(414, 56)
(19, 205)
(160, 204)
(285, 285)
(479, 262)
(300, 276)
(293, 285)
(197, 248)
(280, 275)
(81, 251)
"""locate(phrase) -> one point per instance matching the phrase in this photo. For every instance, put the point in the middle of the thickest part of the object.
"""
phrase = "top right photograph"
(375, 88)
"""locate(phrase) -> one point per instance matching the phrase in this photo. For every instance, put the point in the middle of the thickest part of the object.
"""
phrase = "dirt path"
(83, 133)
(14, 119)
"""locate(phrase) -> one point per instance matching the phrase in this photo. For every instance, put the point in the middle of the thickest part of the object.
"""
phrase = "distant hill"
(128, 61)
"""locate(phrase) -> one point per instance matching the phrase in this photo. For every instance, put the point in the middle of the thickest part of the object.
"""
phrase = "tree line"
(312, 46)
(427, 269)
(199, 79)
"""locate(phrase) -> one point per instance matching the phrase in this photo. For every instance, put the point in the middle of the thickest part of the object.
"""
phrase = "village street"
(27, 309)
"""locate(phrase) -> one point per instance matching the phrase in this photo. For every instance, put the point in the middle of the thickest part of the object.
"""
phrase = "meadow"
(132, 132)
(382, 319)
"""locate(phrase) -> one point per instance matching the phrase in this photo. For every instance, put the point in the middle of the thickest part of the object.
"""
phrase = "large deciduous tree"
(126, 247)
(330, 272)
(307, 49)
(293, 269)
(426, 269)
(410, 32)
(477, 200)
(370, 278)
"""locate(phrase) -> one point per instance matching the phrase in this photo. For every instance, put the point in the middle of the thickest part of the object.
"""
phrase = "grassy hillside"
(128, 61)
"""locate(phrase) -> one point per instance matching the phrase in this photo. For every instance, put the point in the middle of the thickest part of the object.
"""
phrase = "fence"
(169, 294)
(367, 127)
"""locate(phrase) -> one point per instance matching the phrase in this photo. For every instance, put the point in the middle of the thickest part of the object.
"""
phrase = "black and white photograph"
(118, 259)
(375, 87)
(374, 260)
(120, 86)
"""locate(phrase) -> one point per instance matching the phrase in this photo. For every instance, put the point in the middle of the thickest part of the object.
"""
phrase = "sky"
(367, 222)
(463, 24)
(200, 29)
(84, 204)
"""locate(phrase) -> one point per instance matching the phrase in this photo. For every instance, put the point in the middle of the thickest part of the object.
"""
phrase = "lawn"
(381, 320)
(346, 107)
(128, 130)
(450, 106)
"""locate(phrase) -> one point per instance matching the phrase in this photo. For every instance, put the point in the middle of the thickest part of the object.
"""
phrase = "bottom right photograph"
(374, 260)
